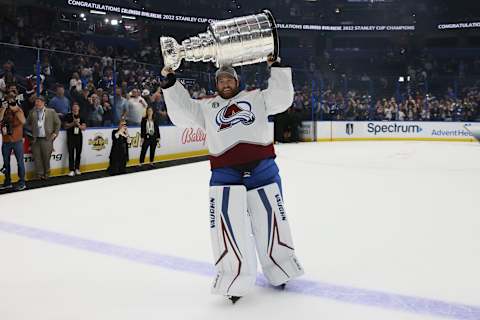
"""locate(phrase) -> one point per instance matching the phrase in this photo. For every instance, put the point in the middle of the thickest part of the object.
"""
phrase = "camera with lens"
(6, 124)
(8, 128)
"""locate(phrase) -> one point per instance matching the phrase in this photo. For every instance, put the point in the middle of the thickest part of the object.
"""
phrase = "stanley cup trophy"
(234, 42)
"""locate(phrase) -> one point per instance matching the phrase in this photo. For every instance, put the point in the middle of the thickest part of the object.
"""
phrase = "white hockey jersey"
(237, 129)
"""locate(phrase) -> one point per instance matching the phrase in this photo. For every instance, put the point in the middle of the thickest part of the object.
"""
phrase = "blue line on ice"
(358, 296)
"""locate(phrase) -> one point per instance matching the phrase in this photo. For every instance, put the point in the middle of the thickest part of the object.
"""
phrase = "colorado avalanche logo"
(230, 115)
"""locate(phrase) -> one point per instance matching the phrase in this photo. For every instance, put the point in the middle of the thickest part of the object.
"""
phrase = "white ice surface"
(393, 217)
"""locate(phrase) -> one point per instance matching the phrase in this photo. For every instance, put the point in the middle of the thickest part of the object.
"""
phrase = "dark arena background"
(379, 155)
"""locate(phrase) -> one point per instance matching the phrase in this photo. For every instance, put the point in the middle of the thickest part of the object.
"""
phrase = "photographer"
(74, 125)
(12, 120)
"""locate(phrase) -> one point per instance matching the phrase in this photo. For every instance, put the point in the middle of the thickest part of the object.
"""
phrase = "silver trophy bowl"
(234, 42)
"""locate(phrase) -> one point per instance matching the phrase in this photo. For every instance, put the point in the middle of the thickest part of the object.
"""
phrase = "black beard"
(232, 94)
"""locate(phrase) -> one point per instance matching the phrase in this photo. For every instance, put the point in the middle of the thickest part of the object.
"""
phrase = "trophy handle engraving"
(276, 42)
(172, 52)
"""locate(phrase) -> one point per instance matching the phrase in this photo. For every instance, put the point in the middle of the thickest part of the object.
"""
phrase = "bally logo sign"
(190, 135)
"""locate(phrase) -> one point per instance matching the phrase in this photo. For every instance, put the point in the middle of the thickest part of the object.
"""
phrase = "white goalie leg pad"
(232, 241)
(272, 235)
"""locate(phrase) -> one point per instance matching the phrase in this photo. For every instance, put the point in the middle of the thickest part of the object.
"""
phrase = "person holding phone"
(119, 152)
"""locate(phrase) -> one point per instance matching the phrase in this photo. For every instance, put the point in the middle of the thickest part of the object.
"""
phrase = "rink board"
(175, 143)
(388, 131)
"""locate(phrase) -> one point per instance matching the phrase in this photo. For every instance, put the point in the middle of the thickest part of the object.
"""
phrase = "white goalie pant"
(232, 241)
(272, 235)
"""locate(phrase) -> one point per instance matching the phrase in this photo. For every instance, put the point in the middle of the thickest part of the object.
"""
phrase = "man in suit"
(45, 125)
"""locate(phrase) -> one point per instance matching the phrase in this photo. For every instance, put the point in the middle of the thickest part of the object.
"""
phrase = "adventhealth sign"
(451, 133)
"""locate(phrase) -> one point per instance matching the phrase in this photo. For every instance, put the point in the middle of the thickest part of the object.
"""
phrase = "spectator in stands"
(60, 103)
(379, 111)
(84, 102)
(401, 115)
(150, 135)
(146, 96)
(74, 124)
(120, 106)
(294, 124)
(159, 107)
(75, 83)
(298, 101)
(8, 67)
(99, 93)
(106, 83)
(12, 120)
(96, 115)
(90, 85)
(136, 108)
(32, 83)
(107, 111)
(119, 152)
(388, 111)
(45, 125)
(7, 79)
(20, 98)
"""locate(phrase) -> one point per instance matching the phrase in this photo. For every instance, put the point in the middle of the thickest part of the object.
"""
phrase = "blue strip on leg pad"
(232, 241)
(272, 234)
